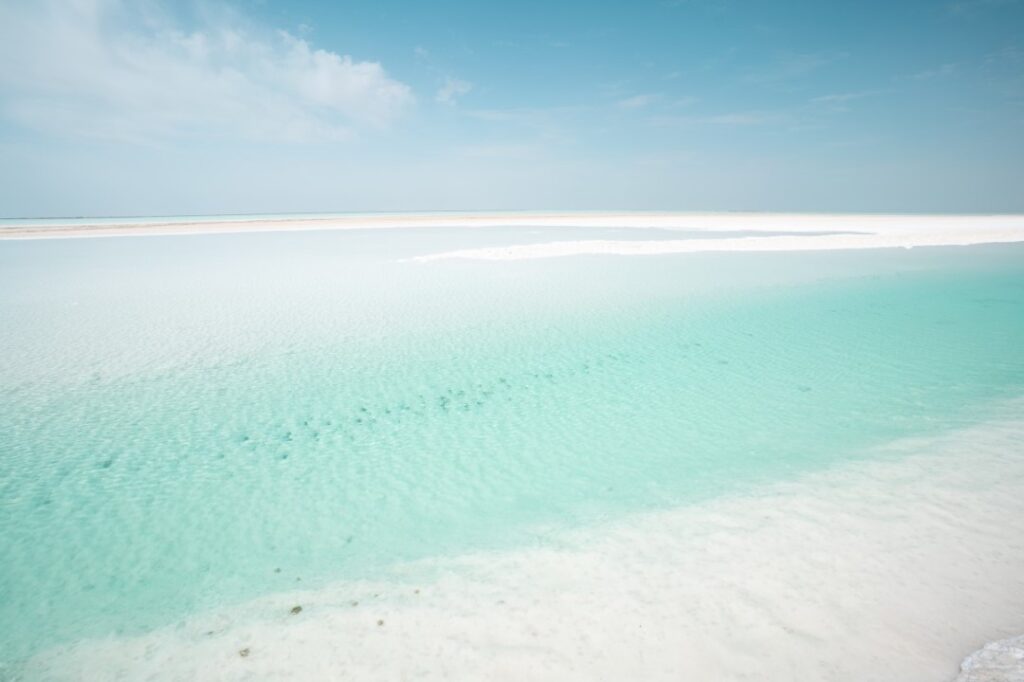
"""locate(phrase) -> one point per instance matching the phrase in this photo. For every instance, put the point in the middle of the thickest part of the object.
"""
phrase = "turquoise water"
(188, 422)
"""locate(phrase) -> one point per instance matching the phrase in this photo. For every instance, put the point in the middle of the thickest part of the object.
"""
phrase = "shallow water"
(890, 567)
(191, 422)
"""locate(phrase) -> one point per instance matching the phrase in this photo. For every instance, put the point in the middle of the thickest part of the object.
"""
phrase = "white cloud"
(359, 90)
(102, 68)
(452, 89)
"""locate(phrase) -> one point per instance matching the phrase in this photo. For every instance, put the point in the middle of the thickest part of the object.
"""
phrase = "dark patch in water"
(449, 401)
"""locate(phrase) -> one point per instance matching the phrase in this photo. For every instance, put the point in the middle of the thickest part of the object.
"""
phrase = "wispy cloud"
(787, 68)
(1004, 71)
(735, 118)
(741, 118)
(942, 71)
(1000, 71)
(534, 41)
(109, 70)
(844, 97)
(547, 126)
(527, 117)
(968, 6)
(840, 101)
(1011, 55)
(452, 89)
(499, 151)
(637, 101)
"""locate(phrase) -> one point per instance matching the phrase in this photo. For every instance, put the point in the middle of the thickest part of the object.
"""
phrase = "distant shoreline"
(876, 230)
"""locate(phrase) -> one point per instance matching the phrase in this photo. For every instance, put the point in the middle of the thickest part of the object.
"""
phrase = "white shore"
(893, 569)
(851, 231)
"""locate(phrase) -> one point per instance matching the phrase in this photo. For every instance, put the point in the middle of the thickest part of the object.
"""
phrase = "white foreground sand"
(892, 569)
(871, 230)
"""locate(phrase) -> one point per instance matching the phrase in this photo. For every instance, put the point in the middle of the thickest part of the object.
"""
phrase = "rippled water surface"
(188, 422)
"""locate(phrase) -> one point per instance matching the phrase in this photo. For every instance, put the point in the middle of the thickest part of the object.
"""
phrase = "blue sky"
(151, 107)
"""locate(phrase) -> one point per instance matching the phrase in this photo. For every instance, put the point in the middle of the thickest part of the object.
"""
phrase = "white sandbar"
(874, 230)
(849, 232)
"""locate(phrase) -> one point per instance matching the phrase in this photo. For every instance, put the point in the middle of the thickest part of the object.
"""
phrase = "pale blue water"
(11, 221)
(187, 422)
(51, 221)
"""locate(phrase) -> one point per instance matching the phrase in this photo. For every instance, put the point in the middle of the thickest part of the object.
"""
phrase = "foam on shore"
(1001, 661)
(893, 568)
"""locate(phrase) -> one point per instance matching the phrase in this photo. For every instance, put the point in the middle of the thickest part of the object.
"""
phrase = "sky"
(151, 107)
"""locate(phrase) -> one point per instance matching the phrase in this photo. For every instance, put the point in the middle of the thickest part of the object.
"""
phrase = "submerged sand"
(894, 568)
